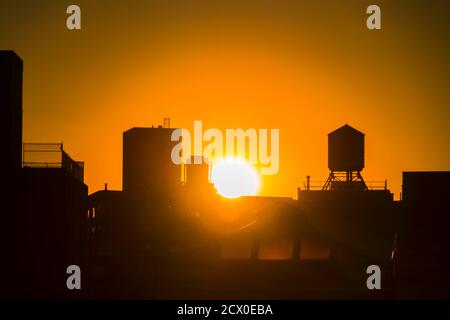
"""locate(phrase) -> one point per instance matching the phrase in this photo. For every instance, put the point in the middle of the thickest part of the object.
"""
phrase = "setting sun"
(234, 178)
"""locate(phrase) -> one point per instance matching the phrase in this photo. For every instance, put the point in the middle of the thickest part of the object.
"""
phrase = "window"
(275, 248)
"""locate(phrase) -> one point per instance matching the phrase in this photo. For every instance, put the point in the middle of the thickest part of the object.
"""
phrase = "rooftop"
(50, 155)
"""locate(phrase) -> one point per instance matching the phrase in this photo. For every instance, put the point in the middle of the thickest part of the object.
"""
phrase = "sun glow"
(234, 178)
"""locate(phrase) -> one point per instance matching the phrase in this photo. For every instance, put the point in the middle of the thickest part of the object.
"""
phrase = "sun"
(234, 178)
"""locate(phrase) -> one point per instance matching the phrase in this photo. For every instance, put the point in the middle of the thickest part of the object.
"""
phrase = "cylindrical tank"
(196, 174)
(346, 149)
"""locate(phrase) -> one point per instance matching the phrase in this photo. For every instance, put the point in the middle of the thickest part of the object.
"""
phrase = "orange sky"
(305, 67)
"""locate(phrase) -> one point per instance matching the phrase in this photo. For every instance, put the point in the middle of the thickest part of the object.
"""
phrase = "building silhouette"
(198, 192)
(11, 68)
(43, 225)
(168, 235)
(53, 213)
(323, 242)
(148, 171)
(423, 243)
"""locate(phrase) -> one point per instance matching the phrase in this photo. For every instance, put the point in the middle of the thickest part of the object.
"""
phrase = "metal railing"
(50, 155)
(371, 185)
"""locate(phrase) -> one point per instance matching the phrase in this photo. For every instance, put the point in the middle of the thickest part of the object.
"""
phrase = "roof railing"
(50, 155)
(371, 185)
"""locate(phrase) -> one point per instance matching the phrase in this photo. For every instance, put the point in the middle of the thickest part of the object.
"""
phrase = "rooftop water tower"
(345, 159)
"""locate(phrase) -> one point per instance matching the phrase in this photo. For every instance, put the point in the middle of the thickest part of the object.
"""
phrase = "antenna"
(166, 122)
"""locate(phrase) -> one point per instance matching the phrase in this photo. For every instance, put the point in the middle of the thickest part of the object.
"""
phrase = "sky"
(304, 67)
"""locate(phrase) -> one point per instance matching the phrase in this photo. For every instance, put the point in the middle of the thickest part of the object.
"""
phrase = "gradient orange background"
(305, 67)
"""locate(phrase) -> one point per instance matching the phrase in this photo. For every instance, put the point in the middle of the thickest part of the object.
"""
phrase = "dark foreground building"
(423, 256)
(53, 211)
(44, 202)
(11, 71)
